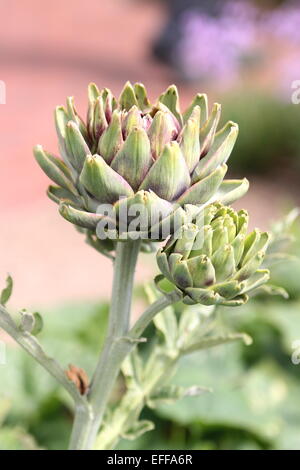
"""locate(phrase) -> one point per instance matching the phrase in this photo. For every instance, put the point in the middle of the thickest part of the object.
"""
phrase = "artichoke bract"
(131, 154)
(213, 261)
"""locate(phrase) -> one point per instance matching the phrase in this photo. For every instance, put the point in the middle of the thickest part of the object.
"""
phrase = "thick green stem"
(116, 345)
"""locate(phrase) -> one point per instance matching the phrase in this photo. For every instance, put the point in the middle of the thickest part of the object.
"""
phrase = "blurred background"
(244, 54)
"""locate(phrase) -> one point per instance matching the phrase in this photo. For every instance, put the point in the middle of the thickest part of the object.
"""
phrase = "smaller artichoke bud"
(212, 262)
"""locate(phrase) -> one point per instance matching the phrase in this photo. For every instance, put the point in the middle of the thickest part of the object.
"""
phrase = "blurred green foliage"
(254, 403)
(269, 131)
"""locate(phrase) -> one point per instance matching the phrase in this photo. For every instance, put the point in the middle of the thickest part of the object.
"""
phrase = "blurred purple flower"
(284, 22)
(212, 47)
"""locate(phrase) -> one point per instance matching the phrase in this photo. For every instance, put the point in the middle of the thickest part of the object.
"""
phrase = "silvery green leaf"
(213, 341)
(165, 394)
(171, 393)
(195, 322)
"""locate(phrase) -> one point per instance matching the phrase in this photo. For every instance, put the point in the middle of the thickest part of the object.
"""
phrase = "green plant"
(160, 175)
(259, 149)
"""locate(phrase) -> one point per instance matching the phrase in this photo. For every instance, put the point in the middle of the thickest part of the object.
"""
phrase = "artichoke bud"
(215, 272)
(112, 139)
(162, 156)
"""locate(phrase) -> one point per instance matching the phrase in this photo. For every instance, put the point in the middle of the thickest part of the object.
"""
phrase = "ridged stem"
(115, 349)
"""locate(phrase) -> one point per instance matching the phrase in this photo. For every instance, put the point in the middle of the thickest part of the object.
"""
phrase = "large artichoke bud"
(131, 154)
(214, 261)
